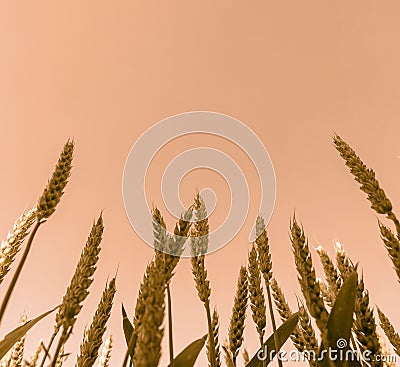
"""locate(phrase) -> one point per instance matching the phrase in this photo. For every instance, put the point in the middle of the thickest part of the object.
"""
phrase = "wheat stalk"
(215, 343)
(168, 249)
(165, 264)
(308, 335)
(365, 326)
(198, 248)
(331, 274)
(149, 331)
(392, 245)
(264, 256)
(45, 207)
(285, 313)
(392, 335)
(237, 322)
(93, 337)
(376, 195)
(307, 278)
(77, 291)
(54, 190)
(143, 296)
(366, 178)
(388, 358)
(265, 265)
(257, 299)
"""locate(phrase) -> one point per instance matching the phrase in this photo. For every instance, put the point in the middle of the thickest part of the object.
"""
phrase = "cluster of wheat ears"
(331, 309)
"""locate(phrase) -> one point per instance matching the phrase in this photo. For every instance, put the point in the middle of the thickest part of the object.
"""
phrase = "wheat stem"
(47, 349)
(271, 311)
(170, 333)
(18, 271)
(60, 345)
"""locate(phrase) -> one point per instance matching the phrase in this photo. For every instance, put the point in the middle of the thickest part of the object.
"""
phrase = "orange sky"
(104, 72)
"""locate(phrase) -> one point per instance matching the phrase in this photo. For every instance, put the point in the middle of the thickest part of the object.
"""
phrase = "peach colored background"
(103, 72)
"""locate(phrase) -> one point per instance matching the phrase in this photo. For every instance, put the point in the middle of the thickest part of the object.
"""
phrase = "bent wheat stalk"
(45, 207)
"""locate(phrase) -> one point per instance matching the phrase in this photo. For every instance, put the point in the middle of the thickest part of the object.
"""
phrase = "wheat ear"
(365, 326)
(12, 244)
(77, 291)
(285, 312)
(331, 274)
(198, 248)
(257, 299)
(237, 322)
(168, 250)
(392, 245)
(392, 335)
(156, 279)
(380, 202)
(366, 178)
(54, 190)
(215, 327)
(93, 337)
(265, 265)
(389, 358)
(306, 275)
(149, 331)
(308, 333)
